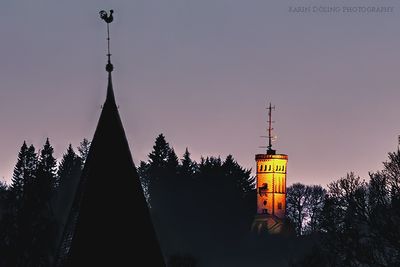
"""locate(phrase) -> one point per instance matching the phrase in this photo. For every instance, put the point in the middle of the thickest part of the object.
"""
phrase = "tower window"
(265, 203)
(265, 167)
(265, 211)
(263, 189)
(279, 206)
(276, 168)
(269, 168)
(283, 168)
(260, 167)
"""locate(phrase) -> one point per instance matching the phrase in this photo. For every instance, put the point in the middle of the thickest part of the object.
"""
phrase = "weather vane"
(108, 19)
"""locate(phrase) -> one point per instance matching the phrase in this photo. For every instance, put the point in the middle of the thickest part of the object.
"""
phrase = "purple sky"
(202, 73)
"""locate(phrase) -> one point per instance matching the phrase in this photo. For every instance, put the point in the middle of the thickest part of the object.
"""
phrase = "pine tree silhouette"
(19, 175)
(83, 150)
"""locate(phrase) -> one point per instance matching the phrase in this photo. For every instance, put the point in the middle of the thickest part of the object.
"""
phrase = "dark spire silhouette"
(109, 223)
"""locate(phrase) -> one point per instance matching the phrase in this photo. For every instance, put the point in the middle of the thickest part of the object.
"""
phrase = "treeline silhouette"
(191, 203)
(35, 206)
(354, 222)
(203, 211)
(197, 207)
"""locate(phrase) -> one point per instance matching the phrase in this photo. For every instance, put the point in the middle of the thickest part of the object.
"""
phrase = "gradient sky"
(202, 73)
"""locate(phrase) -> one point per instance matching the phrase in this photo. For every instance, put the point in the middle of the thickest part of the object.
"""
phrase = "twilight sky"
(202, 73)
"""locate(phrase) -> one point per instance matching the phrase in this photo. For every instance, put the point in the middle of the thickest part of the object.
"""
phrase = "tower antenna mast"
(270, 121)
(270, 137)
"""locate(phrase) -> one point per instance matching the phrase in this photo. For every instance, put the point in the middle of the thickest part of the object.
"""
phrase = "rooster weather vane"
(108, 19)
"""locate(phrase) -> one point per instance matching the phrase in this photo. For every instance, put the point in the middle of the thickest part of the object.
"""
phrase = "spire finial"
(108, 19)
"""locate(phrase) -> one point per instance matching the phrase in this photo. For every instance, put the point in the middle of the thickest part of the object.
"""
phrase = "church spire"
(109, 208)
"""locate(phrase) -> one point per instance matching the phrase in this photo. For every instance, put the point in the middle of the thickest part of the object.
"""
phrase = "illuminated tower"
(271, 187)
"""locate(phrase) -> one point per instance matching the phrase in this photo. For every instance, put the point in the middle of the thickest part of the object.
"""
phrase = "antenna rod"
(270, 121)
(108, 43)
(269, 126)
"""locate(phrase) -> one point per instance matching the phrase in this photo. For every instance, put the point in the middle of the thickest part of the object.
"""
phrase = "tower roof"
(109, 223)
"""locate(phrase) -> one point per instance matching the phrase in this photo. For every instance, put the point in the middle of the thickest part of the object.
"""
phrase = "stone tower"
(271, 188)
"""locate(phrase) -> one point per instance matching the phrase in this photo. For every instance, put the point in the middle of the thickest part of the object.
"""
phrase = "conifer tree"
(18, 223)
(68, 176)
(3, 189)
(3, 200)
(10, 224)
(37, 223)
(241, 177)
(187, 183)
(188, 167)
(83, 149)
(46, 174)
(157, 180)
(23, 177)
(17, 181)
(172, 163)
(143, 172)
(159, 156)
(69, 166)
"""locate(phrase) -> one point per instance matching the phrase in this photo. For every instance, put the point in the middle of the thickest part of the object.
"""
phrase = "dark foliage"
(178, 260)
(68, 174)
(360, 221)
(30, 207)
(193, 203)
(203, 211)
(83, 149)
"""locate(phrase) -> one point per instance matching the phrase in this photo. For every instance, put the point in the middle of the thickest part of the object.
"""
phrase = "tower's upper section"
(271, 156)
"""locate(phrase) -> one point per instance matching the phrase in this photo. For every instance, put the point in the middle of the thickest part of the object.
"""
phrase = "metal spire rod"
(108, 19)
(108, 43)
